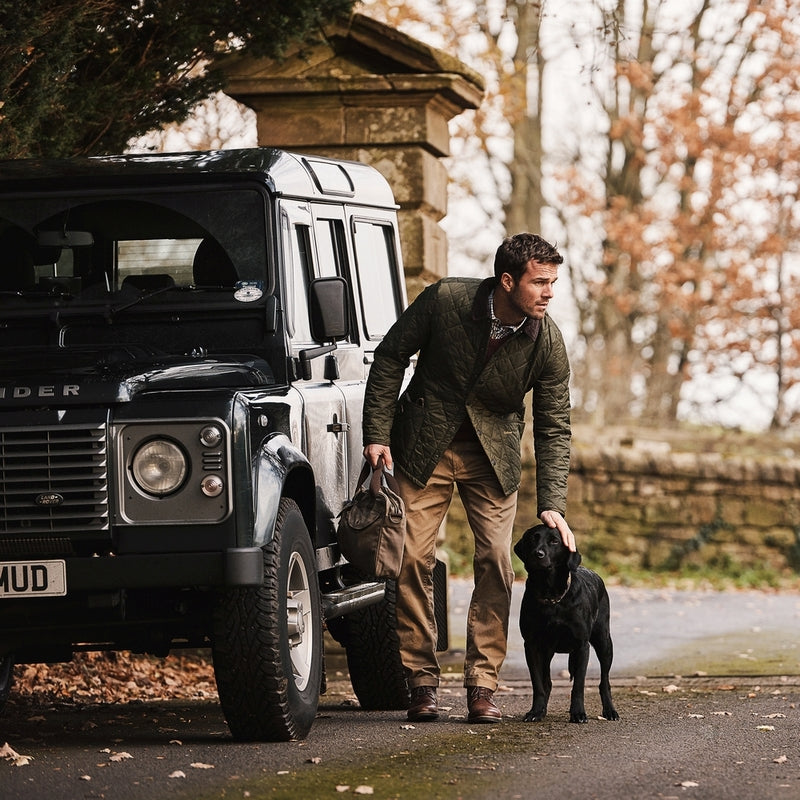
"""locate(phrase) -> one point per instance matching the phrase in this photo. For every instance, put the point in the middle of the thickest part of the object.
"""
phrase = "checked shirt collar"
(499, 330)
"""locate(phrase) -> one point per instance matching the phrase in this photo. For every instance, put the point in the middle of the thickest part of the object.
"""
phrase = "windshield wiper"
(114, 310)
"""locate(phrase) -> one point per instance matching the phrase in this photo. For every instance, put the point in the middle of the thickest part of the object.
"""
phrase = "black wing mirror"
(329, 316)
(327, 309)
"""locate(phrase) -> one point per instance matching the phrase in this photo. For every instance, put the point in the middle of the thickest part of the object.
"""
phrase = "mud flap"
(440, 604)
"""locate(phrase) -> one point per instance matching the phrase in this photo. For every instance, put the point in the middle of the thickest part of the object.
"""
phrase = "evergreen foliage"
(80, 77)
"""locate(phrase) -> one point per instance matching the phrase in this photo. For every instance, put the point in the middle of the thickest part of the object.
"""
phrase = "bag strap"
(378, 474)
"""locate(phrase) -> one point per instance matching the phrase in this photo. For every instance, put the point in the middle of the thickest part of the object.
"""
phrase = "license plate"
(33, 579)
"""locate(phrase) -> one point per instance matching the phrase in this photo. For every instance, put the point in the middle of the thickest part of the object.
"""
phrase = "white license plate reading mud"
(33, 579)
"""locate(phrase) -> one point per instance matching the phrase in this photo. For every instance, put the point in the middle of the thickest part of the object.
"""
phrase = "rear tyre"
(267, 641)
(6, 679)
(369, 637)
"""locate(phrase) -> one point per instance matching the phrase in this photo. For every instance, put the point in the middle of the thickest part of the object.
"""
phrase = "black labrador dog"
(565, 608)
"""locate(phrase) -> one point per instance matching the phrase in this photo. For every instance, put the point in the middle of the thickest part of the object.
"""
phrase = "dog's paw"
(578, 716)
(610, 714)
(534, 716)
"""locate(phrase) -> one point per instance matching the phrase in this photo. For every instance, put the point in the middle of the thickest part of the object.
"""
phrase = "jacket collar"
(480, 308)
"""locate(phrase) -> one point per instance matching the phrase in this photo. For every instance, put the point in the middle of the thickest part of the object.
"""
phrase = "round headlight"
(159, 467)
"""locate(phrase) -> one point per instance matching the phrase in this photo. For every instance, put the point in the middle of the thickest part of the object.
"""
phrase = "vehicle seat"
(212, 266)
(149, 283)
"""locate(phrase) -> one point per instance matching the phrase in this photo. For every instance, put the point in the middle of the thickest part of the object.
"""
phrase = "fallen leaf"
(9, 754)
(407, 728)
(363, 790)
(86, 777)
(119, 756)
(177, 774)
(774, 716)
(175, 741)
(342, 788)
(314, 760)
(688, 784)
(765, 728)
(780, 760)
(671, 688)
(721, 713)
(201, 765)
(696, 716)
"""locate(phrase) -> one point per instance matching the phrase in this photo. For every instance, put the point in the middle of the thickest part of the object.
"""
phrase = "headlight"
(159, 467)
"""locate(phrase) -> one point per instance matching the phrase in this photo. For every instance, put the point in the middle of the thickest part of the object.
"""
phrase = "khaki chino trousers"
(491, 517)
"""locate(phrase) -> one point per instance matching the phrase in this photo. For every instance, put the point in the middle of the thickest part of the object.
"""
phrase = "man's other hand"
(373, 453)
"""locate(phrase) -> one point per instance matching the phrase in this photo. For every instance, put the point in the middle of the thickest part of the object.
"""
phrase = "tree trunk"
(523, 211)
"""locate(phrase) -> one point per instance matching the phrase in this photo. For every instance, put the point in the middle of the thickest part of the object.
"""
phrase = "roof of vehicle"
(286, 174)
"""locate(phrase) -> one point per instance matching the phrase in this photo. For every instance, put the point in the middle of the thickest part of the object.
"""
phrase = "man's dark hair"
(516, 251)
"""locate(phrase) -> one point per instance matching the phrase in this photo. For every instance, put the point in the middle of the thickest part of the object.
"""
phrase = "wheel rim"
(299, 621)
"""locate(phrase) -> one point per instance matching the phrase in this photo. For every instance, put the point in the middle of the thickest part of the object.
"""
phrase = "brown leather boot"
(423, 707)
(481, 705)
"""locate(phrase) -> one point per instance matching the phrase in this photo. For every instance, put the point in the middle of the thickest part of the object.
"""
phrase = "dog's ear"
(574, 560)
(523, 548)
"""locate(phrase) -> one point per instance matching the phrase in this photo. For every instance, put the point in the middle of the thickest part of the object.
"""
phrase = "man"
(482, 345)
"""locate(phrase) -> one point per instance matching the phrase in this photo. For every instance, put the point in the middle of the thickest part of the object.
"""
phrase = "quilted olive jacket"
(449, 325)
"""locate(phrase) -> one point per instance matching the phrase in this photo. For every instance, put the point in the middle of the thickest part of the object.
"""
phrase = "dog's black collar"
(552, 601)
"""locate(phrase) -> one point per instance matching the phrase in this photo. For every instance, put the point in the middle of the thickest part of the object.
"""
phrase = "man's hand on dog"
(554, 520)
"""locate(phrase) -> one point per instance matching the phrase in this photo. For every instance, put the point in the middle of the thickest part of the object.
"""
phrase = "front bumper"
(241, 566)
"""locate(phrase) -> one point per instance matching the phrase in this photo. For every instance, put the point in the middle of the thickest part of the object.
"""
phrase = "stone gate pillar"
(367, 92)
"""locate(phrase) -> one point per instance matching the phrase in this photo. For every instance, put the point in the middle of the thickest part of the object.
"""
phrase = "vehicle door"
(324, 424)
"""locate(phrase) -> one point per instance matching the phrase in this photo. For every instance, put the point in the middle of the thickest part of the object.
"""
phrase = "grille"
(53, 480)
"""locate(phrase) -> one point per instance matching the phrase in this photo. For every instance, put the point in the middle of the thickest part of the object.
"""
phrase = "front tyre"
(267, 642)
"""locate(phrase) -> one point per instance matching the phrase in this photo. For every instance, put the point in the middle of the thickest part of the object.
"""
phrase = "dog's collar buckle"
(553, 601)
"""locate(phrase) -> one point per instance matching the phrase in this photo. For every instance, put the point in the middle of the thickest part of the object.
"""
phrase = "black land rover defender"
(184, 342)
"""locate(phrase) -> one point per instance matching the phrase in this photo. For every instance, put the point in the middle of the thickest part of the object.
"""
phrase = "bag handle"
(379, 474)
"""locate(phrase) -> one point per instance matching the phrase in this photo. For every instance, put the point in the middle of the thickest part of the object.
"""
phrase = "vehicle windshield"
(75, 263)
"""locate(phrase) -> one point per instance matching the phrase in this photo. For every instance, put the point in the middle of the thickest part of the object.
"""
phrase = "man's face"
(530, 295)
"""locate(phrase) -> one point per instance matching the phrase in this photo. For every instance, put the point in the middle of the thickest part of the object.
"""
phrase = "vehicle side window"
(377, 276)
(297, 246)
(331, 250)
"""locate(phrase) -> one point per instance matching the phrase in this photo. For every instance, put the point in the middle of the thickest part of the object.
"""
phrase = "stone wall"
(648, 506)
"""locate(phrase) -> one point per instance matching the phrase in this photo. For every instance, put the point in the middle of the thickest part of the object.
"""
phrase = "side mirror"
(329, 318)
(328, 309)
